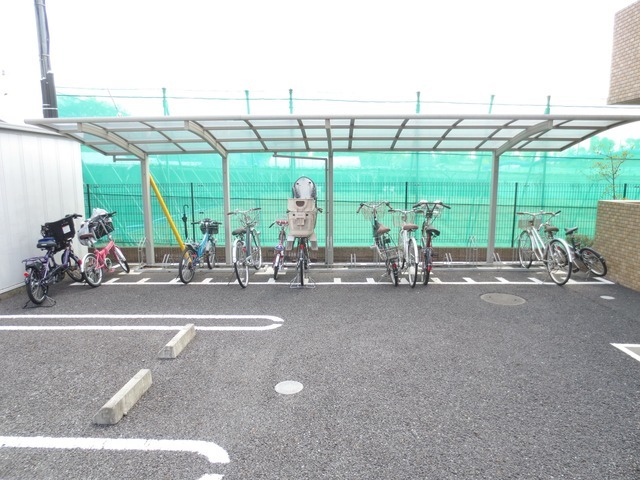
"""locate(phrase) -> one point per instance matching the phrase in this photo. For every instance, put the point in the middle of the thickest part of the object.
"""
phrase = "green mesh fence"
(465, 224)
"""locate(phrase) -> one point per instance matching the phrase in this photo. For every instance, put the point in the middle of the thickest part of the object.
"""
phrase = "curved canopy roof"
(144, 136)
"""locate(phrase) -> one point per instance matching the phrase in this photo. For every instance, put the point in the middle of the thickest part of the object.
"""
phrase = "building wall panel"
(40, 181)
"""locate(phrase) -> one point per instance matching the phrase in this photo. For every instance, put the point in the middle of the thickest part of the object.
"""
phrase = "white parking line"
(368, 281)
(145, 316)
(627, 348)
(277, 322)
(213, 452)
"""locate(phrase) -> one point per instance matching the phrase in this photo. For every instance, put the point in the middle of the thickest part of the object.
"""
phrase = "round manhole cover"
(502, 299)
(288, 387)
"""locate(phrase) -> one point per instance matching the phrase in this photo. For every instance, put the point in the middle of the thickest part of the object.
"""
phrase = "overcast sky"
(448, 50)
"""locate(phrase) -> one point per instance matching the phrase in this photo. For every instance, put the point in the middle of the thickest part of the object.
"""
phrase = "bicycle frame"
(94, 263)
(431, 211)
(43, 271)
(407, 246)
(246, 249)
(279, 249)
(382, 240)
(537, 241)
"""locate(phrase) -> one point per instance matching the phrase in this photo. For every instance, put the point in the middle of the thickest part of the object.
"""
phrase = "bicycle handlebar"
(373, 206)
(540, 213)
(427, 203)
(236, 212)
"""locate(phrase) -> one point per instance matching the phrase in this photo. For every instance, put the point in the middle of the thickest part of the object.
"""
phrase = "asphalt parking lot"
(484, 373)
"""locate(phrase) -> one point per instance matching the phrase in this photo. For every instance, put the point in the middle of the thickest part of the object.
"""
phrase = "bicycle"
(246, 251)
(585, 257)
(302, 214)
(93, 264)
(195, 254)
(382, 241)
(407, 246)
(278, 253)
(43, 271)
(537, 241)
(431, 211)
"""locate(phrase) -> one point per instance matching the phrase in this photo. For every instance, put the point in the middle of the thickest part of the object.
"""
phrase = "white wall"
(40, 181)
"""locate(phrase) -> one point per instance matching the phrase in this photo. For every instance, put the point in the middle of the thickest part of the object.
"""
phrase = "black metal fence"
(464, 225)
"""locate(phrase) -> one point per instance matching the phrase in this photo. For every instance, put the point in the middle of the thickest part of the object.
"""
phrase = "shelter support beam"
(328, 251)
(493, 206)
(226, 193)
(150, 254)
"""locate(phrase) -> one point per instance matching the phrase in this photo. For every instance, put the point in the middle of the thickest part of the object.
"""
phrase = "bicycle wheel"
(210, 254)
(301, 269)
(92, 272)
(36, 288)
(426, 265)
(276, 265)
(74, 270)
(593, 261)
(121, 259)
(395, 274)
(412, 262)
(557, 262)
(525, 250)
(240, 264)
(256, 251)
(187, 266)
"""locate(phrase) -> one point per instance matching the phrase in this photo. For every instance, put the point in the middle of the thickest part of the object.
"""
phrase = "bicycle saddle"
(433, 231)
(569, 231)
(382, 230)
(551, 228)
(410, 227)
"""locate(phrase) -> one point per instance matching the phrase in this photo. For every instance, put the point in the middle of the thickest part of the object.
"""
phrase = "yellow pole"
(166, 212)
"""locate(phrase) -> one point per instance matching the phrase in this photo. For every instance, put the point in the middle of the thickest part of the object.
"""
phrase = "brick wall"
(618, 240)
(624, 87)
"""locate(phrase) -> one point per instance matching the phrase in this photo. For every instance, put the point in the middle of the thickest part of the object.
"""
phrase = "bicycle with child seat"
(278, 253)
(246, 250)
(43, 271)
(196, 254)
(382, 241)
(585, 258)
(96, 263)
(537, 242)
(407, 245)
(430, 211)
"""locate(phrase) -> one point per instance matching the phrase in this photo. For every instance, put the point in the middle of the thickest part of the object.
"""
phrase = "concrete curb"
(178, 343)
(120, 404)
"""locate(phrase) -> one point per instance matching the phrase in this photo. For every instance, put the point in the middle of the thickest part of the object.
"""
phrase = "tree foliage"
(609, 167)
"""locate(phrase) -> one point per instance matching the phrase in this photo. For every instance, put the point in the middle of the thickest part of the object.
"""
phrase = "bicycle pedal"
(111, 270)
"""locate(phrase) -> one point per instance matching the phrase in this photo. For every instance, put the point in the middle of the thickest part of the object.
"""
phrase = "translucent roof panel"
(141, 136)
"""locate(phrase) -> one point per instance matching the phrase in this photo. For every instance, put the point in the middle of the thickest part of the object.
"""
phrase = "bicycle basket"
(102, 228)
(250, 218)
(528, 221)
(62, 231)
(208, 225)
(399, 218)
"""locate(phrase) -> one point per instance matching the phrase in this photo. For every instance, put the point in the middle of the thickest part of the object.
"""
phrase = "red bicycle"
(93, 264)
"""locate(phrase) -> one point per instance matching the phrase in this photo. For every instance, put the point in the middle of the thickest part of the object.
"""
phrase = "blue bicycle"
(196, 254)
(41, 272)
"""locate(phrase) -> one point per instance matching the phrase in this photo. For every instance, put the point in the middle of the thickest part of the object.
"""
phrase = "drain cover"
(288, 387)
(502, 299)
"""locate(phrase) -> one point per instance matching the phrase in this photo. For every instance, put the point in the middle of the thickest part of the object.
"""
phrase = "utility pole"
(47, 84)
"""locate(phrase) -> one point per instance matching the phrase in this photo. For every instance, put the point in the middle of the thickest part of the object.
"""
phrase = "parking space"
(442, 381)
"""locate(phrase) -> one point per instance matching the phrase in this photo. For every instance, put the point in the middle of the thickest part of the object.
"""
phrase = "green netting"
(465, 224)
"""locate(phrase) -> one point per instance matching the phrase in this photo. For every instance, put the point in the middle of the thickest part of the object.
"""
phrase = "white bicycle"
(537, 242)
(407, 245)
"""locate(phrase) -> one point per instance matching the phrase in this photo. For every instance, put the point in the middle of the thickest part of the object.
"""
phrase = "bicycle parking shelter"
(142, 137)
